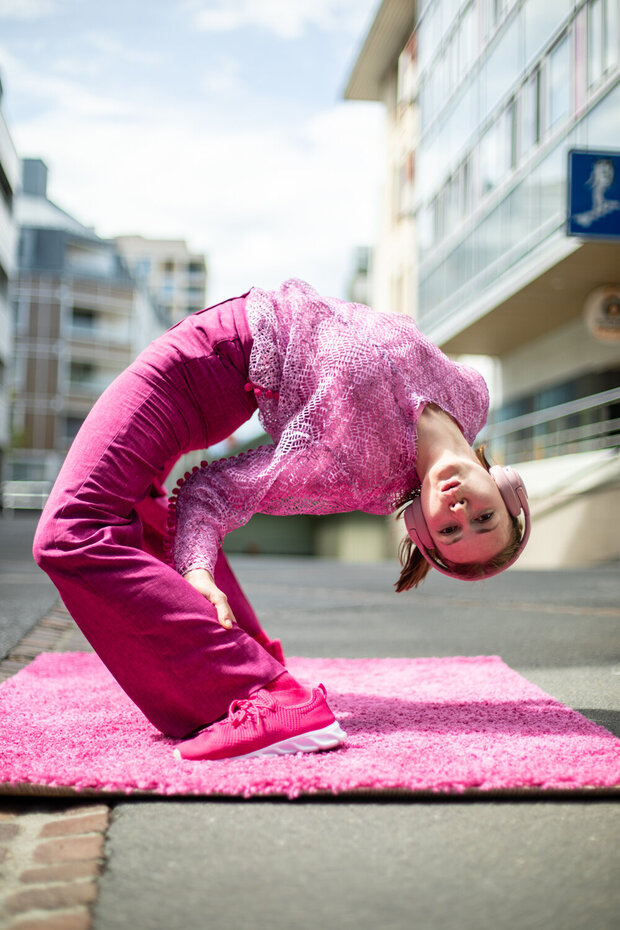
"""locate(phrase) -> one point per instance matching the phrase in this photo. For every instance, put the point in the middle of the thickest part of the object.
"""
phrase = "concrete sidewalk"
(392, 864)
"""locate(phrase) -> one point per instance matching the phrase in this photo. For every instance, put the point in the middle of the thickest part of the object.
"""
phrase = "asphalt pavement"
(394, 864)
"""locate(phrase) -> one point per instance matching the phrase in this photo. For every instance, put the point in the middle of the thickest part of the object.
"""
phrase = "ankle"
(287, 690)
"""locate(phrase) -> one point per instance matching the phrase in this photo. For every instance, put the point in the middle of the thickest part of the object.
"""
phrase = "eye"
(448, 530)
(484, 517)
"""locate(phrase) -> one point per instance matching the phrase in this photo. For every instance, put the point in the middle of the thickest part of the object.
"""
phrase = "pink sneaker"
(261, 726)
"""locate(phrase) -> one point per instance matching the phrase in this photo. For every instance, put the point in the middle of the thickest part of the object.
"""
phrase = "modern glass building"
(505, 89)
(484, 100)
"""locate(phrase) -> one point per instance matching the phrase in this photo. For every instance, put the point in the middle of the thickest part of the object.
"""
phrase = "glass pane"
(602, 123)
(425, 231)
(530, 114)
(520, 222)
(502, 67)
(552, 177)
(468, 39)
(559, 83)
(612, 30)
(542, 19)
(595, 42)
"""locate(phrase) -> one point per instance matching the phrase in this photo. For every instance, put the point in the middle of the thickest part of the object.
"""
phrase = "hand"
(202, 580)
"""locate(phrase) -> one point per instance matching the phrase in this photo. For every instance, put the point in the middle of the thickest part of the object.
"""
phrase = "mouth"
(449, 486)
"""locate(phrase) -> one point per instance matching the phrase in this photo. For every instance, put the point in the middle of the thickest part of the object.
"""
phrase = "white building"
(488, 97)
(80, 320)
(9, 177)
(175, 276)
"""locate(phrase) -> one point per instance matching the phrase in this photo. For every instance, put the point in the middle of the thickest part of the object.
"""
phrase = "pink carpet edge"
(362, 689)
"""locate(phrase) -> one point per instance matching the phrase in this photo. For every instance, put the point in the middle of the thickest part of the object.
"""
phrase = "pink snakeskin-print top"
(340, 389)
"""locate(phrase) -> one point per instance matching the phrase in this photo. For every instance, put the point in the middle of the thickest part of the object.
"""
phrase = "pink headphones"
(514, 495)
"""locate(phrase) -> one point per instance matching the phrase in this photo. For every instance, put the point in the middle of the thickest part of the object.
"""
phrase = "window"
(429, 34)
(596, 65)
(406, 73)
(81, 372)
(83, 318)
(559, 99)
(541, 21)
(530, 114)
(468, 40)
(497, 150)
(502, 66)
(406, 177)
(72, 426)
(6, 191)
(142, 268)
(612, 31)
(602, 38)
(425, 230)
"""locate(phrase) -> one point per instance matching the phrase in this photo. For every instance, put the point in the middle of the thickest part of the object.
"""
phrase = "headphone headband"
(514, 495)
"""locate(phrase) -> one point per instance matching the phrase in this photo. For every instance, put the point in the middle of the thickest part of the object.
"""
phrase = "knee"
(44, 548)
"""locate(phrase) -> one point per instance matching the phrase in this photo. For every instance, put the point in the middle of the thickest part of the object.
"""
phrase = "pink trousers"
(100, 535)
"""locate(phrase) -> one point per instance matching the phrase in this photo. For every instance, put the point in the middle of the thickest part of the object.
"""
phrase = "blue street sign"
(593, 194)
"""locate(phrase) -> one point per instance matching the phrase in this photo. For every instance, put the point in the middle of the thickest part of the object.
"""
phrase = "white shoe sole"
(315, 741)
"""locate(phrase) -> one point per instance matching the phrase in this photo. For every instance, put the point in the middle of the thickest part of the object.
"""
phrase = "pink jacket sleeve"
(213, 501)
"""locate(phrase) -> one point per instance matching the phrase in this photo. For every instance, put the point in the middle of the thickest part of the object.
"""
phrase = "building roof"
(41, 213)
(386, 38)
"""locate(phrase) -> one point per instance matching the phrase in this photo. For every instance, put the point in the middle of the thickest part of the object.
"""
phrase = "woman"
(364, 411)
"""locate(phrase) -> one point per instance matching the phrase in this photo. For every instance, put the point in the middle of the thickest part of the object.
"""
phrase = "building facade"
(9, 177)
(175, 276)
(80, 319)
(386, 71)
(500, 92)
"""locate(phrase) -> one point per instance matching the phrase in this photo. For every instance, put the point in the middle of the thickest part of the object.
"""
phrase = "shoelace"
(250, 709)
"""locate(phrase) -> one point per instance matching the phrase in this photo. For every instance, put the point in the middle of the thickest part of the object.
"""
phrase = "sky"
(221, 122)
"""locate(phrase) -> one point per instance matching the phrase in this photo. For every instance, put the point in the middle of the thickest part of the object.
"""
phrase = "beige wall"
(582, 530)
(567, 352)
(394, 284)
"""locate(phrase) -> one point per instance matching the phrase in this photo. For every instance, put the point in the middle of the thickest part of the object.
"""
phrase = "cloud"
(27, 9)
(265, 204)
(284, 18)
(111, 48)
(266, 198)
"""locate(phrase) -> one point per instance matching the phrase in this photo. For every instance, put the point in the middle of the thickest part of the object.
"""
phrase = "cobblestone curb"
(51, 857)
(51, 634)
(51, 852)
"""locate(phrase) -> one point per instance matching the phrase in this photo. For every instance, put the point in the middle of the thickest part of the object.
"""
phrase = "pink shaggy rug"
(414, 725)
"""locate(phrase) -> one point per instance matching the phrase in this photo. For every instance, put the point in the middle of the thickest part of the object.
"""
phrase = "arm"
(215, 500)
(202, 580)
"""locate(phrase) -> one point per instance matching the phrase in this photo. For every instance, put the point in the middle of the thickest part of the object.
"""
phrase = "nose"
(457, 505)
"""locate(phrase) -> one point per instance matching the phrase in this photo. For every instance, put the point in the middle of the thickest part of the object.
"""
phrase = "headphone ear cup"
(511, 488)
(416, 525)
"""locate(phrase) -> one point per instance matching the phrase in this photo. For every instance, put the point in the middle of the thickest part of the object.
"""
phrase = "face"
(465, 512)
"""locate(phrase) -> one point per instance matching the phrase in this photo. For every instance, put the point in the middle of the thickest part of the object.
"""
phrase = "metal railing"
(24, 495)
(582, 425)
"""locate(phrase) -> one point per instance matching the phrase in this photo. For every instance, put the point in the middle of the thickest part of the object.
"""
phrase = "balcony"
(584, 425)
(102, 334)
